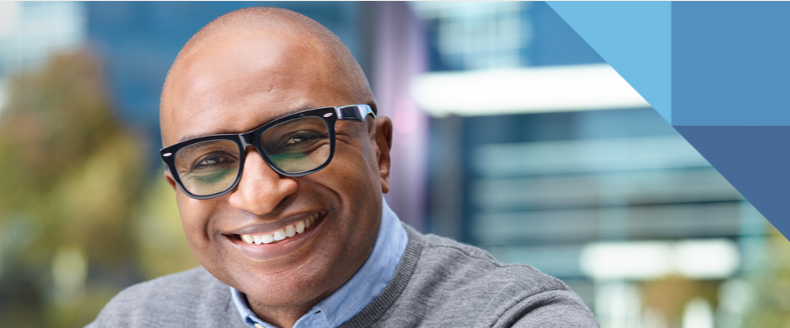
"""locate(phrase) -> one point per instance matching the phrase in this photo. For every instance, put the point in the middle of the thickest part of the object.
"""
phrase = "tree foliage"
(70, 174)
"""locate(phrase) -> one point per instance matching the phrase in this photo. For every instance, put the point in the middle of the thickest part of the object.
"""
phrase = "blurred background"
(511, 134)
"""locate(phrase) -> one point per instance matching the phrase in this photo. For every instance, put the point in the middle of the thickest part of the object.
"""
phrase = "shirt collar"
(356, 293)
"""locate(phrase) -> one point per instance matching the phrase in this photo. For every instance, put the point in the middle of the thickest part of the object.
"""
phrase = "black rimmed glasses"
(294, 145)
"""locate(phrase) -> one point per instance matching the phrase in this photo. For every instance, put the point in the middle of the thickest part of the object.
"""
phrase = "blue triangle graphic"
(634, 38)
(754, 159)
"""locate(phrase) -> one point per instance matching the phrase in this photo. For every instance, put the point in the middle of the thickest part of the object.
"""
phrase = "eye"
(212, 160)
(302, 136)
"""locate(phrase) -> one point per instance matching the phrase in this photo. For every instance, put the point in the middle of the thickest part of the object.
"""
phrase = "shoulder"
(472, 267)
(174, 300)
(466, 286)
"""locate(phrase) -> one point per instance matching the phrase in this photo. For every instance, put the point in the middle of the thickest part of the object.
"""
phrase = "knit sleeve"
(554, 308)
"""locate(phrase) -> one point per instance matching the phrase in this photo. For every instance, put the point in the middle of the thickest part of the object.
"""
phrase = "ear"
(381, 137)
(170, 180)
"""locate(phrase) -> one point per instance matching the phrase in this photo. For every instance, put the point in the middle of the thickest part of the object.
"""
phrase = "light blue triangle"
(634, 37)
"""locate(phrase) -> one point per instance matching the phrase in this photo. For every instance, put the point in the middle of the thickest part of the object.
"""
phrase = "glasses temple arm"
(354, 112)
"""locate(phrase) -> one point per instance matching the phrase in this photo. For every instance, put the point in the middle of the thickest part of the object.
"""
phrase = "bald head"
(267, 20)
(265, 24)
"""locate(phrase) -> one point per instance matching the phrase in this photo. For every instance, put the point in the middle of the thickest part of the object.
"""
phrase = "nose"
(261, 189)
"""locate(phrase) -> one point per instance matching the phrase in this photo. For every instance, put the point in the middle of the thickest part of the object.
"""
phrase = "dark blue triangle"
(755, 160)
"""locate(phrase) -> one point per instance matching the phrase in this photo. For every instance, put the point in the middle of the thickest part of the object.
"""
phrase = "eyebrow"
(296, 109)
(193, 136)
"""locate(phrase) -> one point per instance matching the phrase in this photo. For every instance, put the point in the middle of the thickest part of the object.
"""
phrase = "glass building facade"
(609, 200)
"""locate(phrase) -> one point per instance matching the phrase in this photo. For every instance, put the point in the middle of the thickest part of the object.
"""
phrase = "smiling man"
(279, 165)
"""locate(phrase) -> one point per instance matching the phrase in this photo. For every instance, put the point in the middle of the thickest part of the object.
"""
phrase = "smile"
(283, 233)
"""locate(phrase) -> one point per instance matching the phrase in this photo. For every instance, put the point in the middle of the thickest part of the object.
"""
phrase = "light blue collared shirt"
(356, 293)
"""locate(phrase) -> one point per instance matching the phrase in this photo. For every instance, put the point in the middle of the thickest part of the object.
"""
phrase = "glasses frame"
(329, 115)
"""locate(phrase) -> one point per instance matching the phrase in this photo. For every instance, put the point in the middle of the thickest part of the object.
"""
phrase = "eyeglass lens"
(293, 146)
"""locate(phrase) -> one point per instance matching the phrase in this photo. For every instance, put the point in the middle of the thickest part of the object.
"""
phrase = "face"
(234, 85)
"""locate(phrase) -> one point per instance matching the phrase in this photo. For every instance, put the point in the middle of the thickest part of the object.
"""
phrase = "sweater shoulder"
(477, 267)
(163, 291)
(172, 300)
(454, 284)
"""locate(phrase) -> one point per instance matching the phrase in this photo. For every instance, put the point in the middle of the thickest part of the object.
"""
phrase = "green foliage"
(163, 247)
(772, 303)
(68, 167)
(74, 204)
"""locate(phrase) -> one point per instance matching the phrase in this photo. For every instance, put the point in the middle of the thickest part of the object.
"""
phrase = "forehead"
(239, 82)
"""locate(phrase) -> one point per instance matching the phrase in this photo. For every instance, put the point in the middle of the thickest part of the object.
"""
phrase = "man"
(279, 164)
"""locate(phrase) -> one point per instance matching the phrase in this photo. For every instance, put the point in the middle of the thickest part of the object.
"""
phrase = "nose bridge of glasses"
(246, 139)
(246, 143)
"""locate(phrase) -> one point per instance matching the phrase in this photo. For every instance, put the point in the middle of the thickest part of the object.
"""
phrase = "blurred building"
(534, 161)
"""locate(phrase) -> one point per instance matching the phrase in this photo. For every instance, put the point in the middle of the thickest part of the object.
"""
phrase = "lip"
(264, 252)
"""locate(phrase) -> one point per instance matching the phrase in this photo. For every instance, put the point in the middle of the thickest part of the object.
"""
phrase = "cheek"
(356, 180)
(355, 172)
(194, 218)
(361, 156)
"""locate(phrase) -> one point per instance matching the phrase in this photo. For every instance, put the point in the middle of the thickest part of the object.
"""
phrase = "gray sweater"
(438, 283)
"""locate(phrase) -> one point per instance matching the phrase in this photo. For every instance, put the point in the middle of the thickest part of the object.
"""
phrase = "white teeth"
(247, 239)
(290, 231)
(267, 238)
(312, 219)
(279, 235)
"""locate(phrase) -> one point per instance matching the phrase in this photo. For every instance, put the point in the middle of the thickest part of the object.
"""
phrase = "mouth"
(271, 244)
(283, 233)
